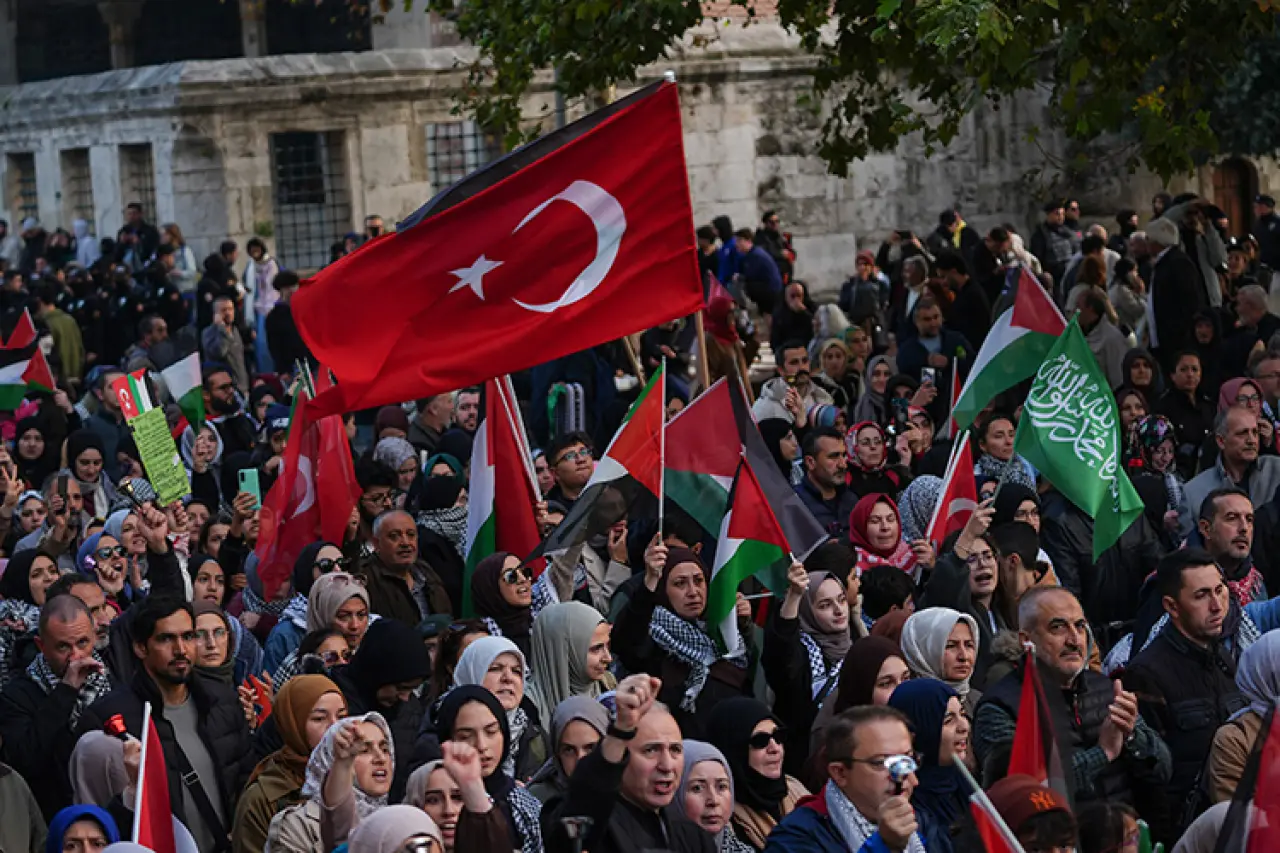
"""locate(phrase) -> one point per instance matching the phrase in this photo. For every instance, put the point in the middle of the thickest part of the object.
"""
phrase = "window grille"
(138, 178)
(77, 188)
(456, 149)
(312, 197)
(24, 200)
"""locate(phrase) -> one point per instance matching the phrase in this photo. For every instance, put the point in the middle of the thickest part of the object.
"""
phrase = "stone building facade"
(299, 148)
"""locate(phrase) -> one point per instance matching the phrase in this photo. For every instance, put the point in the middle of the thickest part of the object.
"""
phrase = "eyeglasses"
(218, 634)
(977, 558)
(898, 763)
(328, 564)
(1248, 398)
(575, 455)
(760, 740)
(512, 576)
(380, 498)
(110, 550)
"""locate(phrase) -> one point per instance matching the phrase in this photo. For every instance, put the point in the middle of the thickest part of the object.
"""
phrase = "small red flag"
(577, 239)
(1035, 746)
(312, 498)
(959, 495)
(988, 829)
(23, 334)
(153, 814)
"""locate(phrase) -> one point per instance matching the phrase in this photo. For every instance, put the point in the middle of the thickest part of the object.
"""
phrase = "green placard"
(160, 456)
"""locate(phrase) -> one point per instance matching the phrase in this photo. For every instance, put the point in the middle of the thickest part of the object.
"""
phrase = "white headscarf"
(321, 762)
(480, 655)
(924, 641)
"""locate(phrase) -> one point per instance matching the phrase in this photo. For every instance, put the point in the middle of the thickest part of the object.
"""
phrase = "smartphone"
(62, 493)
(249, 483)
(928, 374)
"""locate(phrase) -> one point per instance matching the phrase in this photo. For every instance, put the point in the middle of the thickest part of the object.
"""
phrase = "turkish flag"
(312, 498)
(575, 240)
(959, 495)
(152, 814)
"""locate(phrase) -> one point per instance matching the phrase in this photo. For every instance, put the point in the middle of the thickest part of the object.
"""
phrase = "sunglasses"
(332, 658)
(512, 576)
(328, 564)
(760, 740)
(107, 552)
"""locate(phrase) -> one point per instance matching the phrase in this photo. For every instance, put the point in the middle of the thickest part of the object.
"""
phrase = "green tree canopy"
(1172, 81)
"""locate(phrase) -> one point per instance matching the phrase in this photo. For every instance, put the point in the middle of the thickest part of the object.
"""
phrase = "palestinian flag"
(186, 387)
(22, 377)
(132, 394)
(629, 472)
(702, 459)
(23, 334)
(1017, 344)
(503, 491)
(750, 539)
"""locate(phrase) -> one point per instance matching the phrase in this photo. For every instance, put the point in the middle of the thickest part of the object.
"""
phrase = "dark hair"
(146, 324)
(64, 608)
(1209, 506)
(315, 639)
(1091, 244)
(1096, 301)
(255, 242)
(950, 261)
(1048, 830)
(370, 474)
(811, 439)
(1171, 566)
(1124, 215)
(794, 343)
(885, 587)
(1017, 538)
(1101, 825)
(211, 371)
(1051, 206)
(681, 525)
(744, 234)
(226, 247)
(768, 214)
(563, 442)
(64, 584)
(153, 608)
(134, 205)
(842, 734)
(164, 249)
(706, 232)
(285, 278)
(834, 557)
(46, 292)
(202, 539)
(998, 234)
(985, 426)
(948, 217)
(449, 651)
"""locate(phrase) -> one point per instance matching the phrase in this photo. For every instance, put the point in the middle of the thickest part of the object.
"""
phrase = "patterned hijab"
(899, 556)
(321, 762)
(917, 503)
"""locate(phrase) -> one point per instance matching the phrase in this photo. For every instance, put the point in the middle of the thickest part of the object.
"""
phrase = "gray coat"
(1263, 479)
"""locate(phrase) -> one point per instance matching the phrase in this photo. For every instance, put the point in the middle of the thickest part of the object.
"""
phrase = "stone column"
(253, 28)
(120, 17)
(8, 42)
(49, 187)
(108, 208)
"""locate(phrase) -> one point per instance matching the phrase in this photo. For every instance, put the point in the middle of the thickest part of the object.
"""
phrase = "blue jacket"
(283, 640)
(834, 514)
(756, 265)
(809, 829)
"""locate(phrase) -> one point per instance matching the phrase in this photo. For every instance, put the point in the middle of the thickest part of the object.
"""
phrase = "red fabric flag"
(988, 830)
(311, 499)
(38, 373)
(959, 496)
(581, 238)
(153, 814)
(1035, 747)
(23, 334)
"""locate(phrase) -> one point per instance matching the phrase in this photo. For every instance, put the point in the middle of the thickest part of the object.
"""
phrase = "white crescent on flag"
(304, 474)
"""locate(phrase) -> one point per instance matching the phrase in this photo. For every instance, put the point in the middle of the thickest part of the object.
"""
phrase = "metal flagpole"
(142, 770)
(1009, 837)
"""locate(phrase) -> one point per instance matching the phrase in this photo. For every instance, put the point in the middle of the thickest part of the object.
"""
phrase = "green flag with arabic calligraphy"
(1070, 431)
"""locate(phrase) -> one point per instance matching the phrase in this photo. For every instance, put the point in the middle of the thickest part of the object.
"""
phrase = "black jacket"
(616, 825)
(1185, 693)
(913, 358)
(283, 339)
(222, 728)
(1192, 420)
(948, 586)
(832, 514)
(35, 728)
(238, 434)
(970, 313)
(1177, 292)
(785, 661)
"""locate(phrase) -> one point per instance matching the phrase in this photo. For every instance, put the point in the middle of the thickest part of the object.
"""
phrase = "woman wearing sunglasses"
(303, 710)
(497, 665)
(318, 558)
(338, 601)
(745, 730)
(502, 594)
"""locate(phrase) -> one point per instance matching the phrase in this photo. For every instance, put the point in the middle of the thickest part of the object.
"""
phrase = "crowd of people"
(387, 697)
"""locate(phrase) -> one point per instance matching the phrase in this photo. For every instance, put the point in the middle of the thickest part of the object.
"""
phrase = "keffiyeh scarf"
(517, 722)
(255, 603)
(820, 672)
(989, 466)
(852, 827)
(95, 686)
(14, 611)
(296, 611)
(526, 812)
(689, 644)
(451, 523)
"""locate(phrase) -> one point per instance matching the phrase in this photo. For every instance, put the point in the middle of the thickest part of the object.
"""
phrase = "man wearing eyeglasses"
(866, 803)
(201, 725)
(572, 464)
(1109, 752)
(41, 704)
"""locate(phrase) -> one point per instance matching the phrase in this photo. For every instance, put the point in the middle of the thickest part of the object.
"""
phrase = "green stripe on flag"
(485, 544)
(700, 495)
(722, 598)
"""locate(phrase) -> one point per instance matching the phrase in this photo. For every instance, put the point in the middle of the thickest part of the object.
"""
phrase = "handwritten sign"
(160, 456)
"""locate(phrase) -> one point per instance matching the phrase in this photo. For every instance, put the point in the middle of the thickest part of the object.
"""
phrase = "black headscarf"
(486, 597)
(729, 730)
(773, 430)
(80, 441)
(676, 556)
(390, 653)
(497, 784)
(862, 668)
(15, 583)
(1008, 499)
(34, 471)
(304, 566)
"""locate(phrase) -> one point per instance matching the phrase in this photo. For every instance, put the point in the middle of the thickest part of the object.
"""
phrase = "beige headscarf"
(328, 593)
(387, 829)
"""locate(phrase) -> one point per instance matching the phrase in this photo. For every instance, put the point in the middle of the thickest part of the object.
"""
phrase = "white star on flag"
(473, 276)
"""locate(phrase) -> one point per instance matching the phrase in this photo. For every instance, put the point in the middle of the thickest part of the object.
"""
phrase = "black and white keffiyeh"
(691, 645)
(820, 672)
(517, 722)
(852, 827)
(14, 612)
(526, 811)
(450, 523)
(95, 686)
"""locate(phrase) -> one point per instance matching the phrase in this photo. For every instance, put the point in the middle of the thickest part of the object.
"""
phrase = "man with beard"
(226, 415)
(400, 585)
(201, 725)
(1185, 676)
(63, 529)
(1110, 750)
(466, 412)
(377, 495)
(40, 706)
